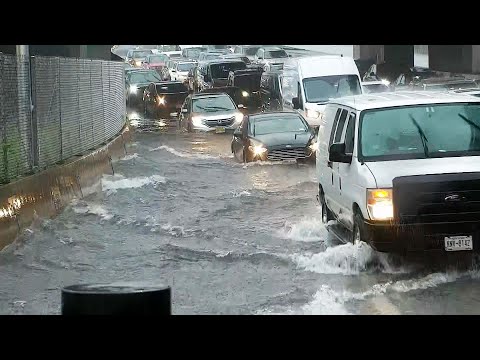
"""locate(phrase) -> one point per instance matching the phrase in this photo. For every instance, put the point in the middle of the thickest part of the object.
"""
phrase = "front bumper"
(396, 238)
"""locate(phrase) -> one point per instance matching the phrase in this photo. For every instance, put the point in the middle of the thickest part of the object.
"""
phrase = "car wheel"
(327, 215)
(358, 233)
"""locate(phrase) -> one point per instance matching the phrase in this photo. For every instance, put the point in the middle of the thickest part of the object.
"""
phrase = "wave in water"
(307, 230)
(184, 154)
(80, 207)
(347, 259)
(129, 157)
(112, 183)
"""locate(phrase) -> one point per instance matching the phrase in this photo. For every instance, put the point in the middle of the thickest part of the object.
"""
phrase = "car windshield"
(171, 88)
(144, 77)
(221, 71)
(141, 54)
(156, 59)
(322, 89)
(278, 124)
(420, 131)
(375, 88)
(185, 66)
(212, 104)
(275, 54)
(251, 51)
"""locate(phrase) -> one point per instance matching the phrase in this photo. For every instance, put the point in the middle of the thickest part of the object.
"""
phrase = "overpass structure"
(449, 58)
(100, 52)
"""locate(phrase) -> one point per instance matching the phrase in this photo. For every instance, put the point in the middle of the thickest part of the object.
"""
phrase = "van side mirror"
(337, 154)
(296, 103)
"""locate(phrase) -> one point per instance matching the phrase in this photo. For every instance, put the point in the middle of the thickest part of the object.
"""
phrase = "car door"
(332, 194)
(238, 139)
(149, 99)
(347, 185)
(265, 92)
(185, 113)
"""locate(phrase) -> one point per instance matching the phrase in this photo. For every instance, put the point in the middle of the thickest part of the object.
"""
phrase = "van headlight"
(313, 146)
(380, 204)
(257, 148)
(312, 114)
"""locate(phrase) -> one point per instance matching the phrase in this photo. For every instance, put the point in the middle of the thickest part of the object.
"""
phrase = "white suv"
(401, 171)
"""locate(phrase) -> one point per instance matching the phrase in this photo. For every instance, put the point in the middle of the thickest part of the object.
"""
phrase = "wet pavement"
(228, 239)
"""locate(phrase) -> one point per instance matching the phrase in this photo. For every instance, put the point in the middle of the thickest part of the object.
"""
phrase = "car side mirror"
(296, 103)
(337, 154)
(184, 110)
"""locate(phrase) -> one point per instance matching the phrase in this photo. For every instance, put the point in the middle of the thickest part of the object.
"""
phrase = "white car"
(375, 87)
(173, 55)
(401, 170)
(271, 58)
(180, 69)
(472, 92)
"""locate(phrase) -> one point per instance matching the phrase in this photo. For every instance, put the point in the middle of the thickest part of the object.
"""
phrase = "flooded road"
(228, 239)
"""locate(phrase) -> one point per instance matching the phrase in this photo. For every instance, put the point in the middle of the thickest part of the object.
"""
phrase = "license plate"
(458, 243)
(219, 130)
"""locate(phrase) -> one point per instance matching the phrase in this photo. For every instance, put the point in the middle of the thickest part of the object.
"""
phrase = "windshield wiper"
(422, 135)
(469, 122)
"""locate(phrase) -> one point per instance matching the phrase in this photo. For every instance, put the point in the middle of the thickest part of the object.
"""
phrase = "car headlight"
(161, 100)
(312, 114)
(238, 117)
(313, 146)
(257, 148)
(134, 122)
(245, 93)
(133, 89)
(138, 63)
(380, 204)
(197, 121)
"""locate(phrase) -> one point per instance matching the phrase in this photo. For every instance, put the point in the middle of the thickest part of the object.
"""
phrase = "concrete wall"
(46, 193)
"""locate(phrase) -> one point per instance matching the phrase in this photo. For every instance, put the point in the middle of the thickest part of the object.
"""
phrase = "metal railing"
(54, 108)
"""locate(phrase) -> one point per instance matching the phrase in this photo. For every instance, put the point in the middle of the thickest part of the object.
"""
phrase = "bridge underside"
(102, 52)
(450, 58)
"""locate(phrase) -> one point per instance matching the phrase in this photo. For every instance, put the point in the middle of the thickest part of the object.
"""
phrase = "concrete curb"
(46, 193)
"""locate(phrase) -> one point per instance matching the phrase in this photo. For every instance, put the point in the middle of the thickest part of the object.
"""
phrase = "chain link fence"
(54, 108)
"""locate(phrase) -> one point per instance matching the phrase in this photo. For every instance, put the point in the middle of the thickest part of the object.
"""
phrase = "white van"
(310, 82)
(401, 170)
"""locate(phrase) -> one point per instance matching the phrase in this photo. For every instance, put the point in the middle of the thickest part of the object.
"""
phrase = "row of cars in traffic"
(397, 164)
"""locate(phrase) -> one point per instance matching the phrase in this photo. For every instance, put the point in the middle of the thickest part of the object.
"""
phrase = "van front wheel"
(326, 213)
(358, 233)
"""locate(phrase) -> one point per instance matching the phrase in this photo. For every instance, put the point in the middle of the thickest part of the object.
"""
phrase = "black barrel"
(116, 299)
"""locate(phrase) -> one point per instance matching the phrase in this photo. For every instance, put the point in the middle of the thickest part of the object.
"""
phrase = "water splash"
(112, 183)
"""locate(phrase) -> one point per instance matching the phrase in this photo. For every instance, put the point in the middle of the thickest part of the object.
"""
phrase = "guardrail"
(53, 108)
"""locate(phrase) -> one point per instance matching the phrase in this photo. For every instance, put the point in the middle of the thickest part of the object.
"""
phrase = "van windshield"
(420, 131)
(322, 89)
